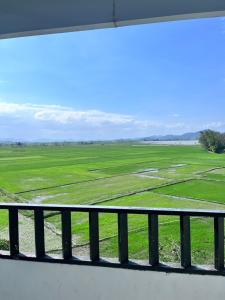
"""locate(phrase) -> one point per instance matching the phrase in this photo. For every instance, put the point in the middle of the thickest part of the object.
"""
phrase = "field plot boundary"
(94, 179)
(112, 176)
(189, 198)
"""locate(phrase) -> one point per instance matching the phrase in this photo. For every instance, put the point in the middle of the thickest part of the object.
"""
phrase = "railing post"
(153, 239)
(66, 234)
(219, 242)
(185, 241)
(13, 231)
(123, 237)
(39, 233)
(94, 235)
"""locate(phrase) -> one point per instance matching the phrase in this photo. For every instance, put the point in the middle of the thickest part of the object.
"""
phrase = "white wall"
(20, 280)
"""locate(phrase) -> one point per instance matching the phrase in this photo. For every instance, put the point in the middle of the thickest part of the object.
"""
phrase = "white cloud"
(53, 122)
(63, 115)
(93, 117)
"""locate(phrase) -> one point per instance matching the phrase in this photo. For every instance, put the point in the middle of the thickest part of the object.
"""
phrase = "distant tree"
(19, 144)
(212, 141)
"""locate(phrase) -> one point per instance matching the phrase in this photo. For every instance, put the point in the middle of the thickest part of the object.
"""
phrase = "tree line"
(212, 141)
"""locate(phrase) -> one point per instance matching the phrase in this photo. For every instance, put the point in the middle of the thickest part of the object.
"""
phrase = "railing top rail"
(116, 209)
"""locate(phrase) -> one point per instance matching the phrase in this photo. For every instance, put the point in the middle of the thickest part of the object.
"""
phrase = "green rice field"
(129, 174)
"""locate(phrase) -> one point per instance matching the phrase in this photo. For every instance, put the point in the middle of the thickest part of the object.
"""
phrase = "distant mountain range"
(189, 136)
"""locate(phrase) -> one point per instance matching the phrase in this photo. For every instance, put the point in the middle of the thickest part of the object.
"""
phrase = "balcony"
(38, 276)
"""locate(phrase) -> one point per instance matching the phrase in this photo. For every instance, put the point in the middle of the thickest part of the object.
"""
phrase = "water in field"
(184, 143)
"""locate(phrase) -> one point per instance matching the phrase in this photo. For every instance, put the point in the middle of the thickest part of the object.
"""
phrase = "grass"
(118, 175)
(94, 191)
(209, 190)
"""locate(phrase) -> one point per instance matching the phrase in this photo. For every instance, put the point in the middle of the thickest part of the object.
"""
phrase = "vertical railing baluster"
(94, 235)
(66, 234)
(219, 242)
(153, 238)
(39, 233)
(185, 241)
(123, 237)
(13, 231)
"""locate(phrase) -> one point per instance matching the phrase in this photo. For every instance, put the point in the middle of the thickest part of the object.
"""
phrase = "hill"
(189, 136)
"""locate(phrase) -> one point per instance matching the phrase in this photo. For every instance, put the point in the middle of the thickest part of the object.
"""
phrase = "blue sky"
(113, 83)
